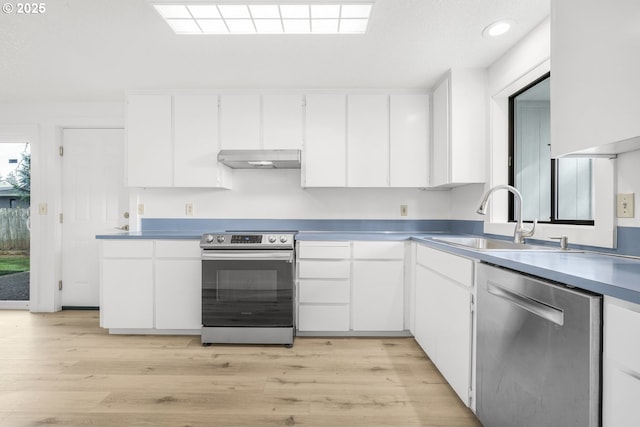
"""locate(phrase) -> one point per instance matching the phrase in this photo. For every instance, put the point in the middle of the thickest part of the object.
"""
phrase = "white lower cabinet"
(178, 284)
(621, 364)
(443, 315)
(150, 285)
(350, 286)
(126, 284)
(378, 286)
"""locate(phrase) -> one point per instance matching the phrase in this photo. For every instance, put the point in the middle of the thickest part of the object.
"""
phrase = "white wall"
(277, 194)
(629, 182)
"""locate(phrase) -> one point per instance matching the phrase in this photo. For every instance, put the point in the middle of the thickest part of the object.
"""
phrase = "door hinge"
(59, 285)
(61, 151)
(61, 218)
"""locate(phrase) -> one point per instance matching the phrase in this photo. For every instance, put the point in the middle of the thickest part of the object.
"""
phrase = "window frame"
(554, 166)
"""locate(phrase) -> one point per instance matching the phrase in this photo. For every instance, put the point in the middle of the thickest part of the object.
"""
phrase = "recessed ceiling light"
(266, 17)
(497, 28)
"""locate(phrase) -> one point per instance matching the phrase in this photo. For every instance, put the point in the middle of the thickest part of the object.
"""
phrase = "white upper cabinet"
(172, 141)
(459, 129)
(195, 121)
(149, 152)
(282, 118)
(368, 141)
(325, 148)
(240, 122)
(409, 137)
(594, 77)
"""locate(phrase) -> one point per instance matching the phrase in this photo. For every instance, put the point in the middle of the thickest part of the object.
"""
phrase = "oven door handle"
(247, 256)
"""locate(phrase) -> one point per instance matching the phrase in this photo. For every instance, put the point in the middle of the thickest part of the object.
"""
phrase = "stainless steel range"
(248, 288)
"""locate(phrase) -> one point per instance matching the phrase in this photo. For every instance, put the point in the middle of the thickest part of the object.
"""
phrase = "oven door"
(247, 288)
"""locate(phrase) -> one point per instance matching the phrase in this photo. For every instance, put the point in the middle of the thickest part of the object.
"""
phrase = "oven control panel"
(246, 240)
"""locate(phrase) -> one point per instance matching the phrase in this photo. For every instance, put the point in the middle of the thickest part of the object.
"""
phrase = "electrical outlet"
(625, 205)
(189, 209)
(404, 210)
(140, 208)
(42, 208)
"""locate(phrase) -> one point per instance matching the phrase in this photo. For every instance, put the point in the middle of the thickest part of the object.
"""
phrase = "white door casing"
(93, 202)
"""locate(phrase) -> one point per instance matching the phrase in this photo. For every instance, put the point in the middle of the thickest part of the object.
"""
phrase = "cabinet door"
(409, 143)
(426, 311)
(195, 119)
(454, 335)
(621, 392)
(441, 117)
(378, 296)
(127, 293)
(368, 141)
(149, 152)
(178, 294)
(240, 122)
(324, 160)
(594, 76)
(621, 363)
(282, 121)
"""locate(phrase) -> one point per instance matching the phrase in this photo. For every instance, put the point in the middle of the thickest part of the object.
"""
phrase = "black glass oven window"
(247, 285)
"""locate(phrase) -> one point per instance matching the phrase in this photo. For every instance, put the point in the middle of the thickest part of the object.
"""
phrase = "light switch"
(625, 205)
(42, 208)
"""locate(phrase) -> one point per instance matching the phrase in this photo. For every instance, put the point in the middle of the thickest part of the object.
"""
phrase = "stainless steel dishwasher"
(538, 352)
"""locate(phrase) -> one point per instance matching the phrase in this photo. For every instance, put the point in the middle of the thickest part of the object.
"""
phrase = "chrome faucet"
(520, 231)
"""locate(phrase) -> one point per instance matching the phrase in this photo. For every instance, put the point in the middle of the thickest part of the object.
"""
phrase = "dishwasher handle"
(540, 309)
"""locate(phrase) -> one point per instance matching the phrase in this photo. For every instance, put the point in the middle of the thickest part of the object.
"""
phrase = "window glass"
(552, 190)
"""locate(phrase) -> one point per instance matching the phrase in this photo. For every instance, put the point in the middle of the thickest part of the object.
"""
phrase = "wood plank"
(63, 369)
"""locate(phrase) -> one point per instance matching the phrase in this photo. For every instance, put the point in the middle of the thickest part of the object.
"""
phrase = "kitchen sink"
(485, 244)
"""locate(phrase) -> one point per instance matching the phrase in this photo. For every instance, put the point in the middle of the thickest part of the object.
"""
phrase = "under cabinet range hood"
(260, 159)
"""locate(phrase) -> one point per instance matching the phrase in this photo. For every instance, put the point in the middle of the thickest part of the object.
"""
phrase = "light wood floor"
(62, 369)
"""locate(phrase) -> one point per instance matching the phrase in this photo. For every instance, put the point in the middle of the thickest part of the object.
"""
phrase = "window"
(556, 191)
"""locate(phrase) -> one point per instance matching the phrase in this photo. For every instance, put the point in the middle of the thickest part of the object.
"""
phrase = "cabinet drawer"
(324, 291)
(324, 269)
(378, 250)
(177, 249)
(622, 329)
(454, 267)
(324, 250)
(127, 248)
(323, 318)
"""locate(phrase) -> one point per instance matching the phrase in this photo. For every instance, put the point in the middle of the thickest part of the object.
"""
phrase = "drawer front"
(177, 249)
(324, 250)
(323, 318)
(622, 332)
(324, 269)
(127, 248)
(378, 250)
(456, 268)
(324, 291)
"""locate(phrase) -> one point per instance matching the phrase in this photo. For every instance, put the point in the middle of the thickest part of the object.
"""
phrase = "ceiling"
(80, 50)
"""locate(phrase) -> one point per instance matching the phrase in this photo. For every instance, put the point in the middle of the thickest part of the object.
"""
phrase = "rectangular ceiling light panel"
(227, 17)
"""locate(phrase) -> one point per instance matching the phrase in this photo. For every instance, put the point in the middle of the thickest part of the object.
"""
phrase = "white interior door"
(93, 202)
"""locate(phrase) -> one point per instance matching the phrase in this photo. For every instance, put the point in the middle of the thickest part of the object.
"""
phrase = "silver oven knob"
(283, 239)
(208, 238)
(220, 239)
(272, 239)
